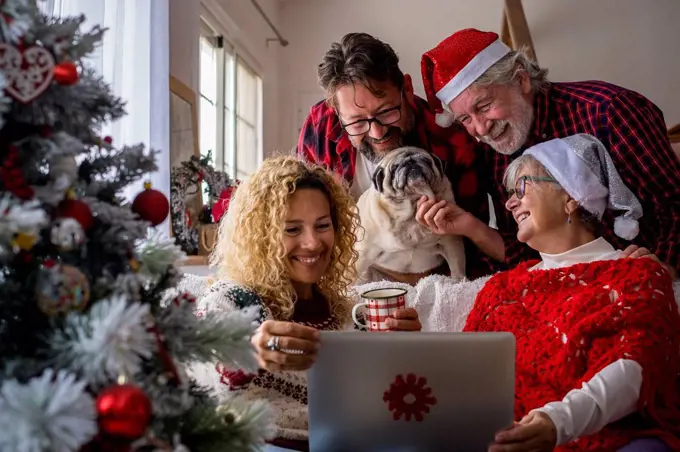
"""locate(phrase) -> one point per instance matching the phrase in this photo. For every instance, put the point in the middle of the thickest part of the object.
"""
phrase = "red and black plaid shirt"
(323, 142)
(633, 130)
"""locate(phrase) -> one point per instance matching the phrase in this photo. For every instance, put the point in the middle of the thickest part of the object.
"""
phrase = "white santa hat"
(455, 63)
(583, 167)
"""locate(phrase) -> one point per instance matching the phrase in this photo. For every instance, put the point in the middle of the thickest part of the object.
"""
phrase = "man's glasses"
(521, 185)
(384, 118)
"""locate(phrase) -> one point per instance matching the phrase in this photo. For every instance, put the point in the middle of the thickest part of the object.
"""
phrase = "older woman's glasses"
(521, 185)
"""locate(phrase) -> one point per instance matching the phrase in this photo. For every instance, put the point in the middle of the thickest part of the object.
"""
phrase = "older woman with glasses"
(598, 335)
(597, 332)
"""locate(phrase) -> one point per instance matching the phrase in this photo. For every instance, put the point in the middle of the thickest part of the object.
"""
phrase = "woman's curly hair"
(250, 249)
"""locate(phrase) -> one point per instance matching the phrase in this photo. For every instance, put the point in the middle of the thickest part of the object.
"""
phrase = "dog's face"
(408, 173)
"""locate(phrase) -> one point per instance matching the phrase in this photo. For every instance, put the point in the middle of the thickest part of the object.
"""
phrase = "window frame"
(225, 154)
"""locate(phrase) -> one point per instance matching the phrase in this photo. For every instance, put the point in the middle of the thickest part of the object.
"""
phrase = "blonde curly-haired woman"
(287, 245)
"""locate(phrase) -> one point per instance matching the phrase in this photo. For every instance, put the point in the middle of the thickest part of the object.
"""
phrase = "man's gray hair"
(506, 70)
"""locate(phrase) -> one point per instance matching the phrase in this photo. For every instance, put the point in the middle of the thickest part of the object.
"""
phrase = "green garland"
(186, 180)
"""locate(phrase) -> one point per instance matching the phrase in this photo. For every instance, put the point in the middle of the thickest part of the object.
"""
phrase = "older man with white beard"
(506, 101)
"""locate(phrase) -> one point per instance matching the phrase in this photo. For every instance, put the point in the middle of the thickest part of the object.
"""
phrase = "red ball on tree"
(151, 205)
(124, 412)
(76, 209)
(66, 73)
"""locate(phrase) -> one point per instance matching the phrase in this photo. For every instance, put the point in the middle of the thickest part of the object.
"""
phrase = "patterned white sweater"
(285, 391)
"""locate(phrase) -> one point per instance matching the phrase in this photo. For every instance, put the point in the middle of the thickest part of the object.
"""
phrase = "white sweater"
(285, 392)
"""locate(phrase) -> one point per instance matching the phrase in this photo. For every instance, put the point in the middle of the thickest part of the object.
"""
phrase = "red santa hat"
(455, 64)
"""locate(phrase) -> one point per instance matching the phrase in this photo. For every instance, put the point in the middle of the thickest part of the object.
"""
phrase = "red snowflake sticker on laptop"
(409, 397)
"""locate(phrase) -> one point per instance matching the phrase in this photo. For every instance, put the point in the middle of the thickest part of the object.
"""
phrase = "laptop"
(410, 391)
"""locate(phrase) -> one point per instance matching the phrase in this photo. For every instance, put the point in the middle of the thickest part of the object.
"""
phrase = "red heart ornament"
(28, 72)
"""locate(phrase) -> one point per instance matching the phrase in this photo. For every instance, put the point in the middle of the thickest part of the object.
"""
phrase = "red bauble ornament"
(151, 205)
(78, 210)
(66, 73)
(124, 412)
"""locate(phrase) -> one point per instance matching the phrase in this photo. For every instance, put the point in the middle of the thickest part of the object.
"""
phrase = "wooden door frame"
(515, 29)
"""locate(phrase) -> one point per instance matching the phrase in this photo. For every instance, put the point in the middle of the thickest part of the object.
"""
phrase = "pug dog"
(393, 239)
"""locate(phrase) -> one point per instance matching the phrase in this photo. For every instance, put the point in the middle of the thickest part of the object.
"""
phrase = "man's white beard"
(519, 127)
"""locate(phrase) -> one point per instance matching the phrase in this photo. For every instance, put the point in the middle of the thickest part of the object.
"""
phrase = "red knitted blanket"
(570, 323)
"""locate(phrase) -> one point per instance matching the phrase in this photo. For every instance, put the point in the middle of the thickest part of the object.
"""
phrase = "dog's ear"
(439, 163)
(378, 178)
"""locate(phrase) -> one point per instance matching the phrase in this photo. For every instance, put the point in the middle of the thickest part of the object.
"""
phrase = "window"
(230, 107)
(137, 37)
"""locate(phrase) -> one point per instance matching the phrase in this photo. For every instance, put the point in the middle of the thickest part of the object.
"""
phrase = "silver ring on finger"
(273, 343)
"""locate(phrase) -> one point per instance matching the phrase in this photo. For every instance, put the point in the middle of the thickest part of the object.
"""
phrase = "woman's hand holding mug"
(404, 319)
(285, 345)
(385, 310)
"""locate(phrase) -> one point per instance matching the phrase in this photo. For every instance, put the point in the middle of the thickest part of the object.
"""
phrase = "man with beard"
(370, 106)
(505, 101)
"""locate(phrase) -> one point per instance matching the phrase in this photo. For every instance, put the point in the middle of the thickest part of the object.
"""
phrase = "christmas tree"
(94, 335)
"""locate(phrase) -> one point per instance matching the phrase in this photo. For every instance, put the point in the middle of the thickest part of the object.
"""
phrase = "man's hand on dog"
(636, 252)
(444, 218)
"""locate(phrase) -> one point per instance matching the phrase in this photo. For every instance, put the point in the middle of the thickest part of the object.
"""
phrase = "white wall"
(184, 33)
(628, 42)
(243, 27)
